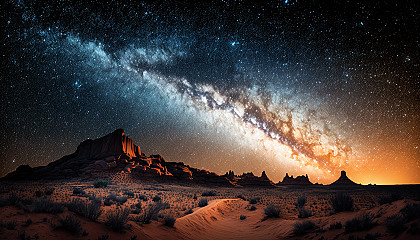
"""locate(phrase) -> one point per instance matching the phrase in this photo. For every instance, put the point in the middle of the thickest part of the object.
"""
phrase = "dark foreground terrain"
(112, 209)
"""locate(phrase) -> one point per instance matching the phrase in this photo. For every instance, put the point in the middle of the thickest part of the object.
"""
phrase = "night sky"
(284, 86)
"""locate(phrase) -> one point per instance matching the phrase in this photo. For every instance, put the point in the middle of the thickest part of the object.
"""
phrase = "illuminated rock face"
(112, 144)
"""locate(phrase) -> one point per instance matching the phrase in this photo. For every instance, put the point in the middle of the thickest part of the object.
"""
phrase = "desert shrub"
(242, 217)
(28, 222)
(272, 211)
(71, 224)
(209, 194)
(156, 198)
(396, 223)
(100, 184)
(336, 225)
(85, 208)
(372, 236)
(4, 202)
(254, 200)
(112, 198)
(414, 228)
(195, 197)
(203, 202)
(389, 199)
(301, 201)
(169, 221)
(38, 193)
(11, 225)
(103, 237)
(117, 219)
(301, 228)
(188, 212)
(360, 223)
(129, 193)
(241, 197)
(143, 197)
(13, 199)
(411, 211)
(342, 202)
(49, 191)
(304, 212)
(77, 191)
(22, 235)
(47, 206)
(252, 208)
(153, 210)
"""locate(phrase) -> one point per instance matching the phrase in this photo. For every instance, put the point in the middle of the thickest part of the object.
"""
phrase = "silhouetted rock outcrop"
(299, 180)
(113, 154)
(343, 180)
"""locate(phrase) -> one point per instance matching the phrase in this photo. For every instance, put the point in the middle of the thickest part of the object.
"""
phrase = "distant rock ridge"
(249, 179)
(299, 180)
(343, 180)
(116, 154)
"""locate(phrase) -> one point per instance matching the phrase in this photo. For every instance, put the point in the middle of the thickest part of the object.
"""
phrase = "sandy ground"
(220, 219)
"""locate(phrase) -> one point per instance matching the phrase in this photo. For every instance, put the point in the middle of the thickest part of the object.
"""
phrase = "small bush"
(360, 223)
(414, 228)
(47, 206)
(301, 201)
(169, 221)
(241, 197)
(253, 208)
(336, 225)
(272, 211)
(373, 236)
(209, 194)
(242, 217)
(396, 224)
(389, 199)
(104, 237)
(112, 198)
(304, 212)
(411, 211)
(342, 202)
(77, 191)
(85, 209)
(100, 184)
(156, 198)
(254, 200)
(117, 219)
(301, 228)
(188, 212)
(28, 222)
(11, 225)
(153, 210)
(38, 193)
(129, 193)
(143, 197)
(49, 191)
(203, 202)
(4, 202)
(71, 224)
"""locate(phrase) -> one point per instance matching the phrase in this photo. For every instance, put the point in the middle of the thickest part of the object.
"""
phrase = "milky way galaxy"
(223, 85)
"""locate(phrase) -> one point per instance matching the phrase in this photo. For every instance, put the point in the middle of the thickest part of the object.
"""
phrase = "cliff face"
(111, 144)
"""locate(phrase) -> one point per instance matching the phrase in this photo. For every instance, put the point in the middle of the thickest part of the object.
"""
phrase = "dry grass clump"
(342, 202)
(301, 228)
(71, 224)
(272, 211)
(91, 210)
(117, 219)
(360, 223)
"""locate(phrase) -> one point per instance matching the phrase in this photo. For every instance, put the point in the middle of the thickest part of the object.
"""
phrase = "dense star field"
(282, 86)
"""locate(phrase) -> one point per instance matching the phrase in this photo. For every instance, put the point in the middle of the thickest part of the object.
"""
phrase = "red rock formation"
(112, 144)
